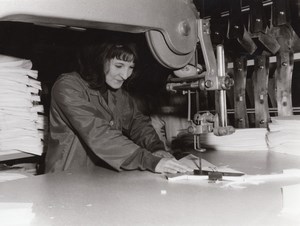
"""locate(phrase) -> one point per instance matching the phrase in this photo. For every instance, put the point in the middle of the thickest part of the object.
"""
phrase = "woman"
(95, 122)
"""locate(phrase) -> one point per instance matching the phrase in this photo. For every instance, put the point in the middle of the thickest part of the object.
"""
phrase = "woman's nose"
(125, 73)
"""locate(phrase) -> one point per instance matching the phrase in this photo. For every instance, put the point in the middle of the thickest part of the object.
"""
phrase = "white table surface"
(104, 197)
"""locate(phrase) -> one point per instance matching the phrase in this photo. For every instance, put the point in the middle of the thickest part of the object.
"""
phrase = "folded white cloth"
(21, 123)
(283, 135)
(250, 139)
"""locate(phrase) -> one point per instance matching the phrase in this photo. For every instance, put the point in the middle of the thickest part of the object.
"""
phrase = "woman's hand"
(162, 154)
(171, 165)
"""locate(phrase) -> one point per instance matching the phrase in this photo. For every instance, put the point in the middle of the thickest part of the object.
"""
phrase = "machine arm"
(170, 26)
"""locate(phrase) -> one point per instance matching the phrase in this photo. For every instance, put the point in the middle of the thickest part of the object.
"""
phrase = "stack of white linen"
(250, 139)
(22, 124)
(284, 134)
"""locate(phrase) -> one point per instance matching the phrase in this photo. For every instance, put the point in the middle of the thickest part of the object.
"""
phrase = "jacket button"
(111, 122)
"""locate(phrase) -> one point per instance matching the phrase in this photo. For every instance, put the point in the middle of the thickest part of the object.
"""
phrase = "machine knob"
(208, 83)
(191, 129)
(184, 28)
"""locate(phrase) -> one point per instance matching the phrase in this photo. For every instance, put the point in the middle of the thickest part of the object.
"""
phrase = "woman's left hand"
(163, 154)
(171, 165)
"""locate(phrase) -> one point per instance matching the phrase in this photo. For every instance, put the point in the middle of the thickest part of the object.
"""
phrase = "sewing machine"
(172, 30)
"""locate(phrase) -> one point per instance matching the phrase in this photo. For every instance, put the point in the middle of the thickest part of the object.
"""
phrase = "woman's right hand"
(171, 165)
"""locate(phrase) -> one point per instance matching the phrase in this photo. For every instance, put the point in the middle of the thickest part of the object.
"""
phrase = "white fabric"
(21, 124)
(251, 139)
(283, 135)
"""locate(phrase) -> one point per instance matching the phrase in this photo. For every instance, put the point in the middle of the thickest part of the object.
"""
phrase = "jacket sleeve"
(90, 125)
(138, 127)
(141, 130)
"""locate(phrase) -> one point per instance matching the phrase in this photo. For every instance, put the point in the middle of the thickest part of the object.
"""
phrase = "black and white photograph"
(149, 112)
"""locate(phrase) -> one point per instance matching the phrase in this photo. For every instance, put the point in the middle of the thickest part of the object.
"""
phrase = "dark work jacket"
(84, 129)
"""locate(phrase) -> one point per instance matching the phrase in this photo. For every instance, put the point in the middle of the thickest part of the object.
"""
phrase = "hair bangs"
(129, 57)
(123, 53)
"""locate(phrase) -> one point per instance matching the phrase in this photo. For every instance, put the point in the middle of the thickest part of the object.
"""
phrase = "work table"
(105, 197)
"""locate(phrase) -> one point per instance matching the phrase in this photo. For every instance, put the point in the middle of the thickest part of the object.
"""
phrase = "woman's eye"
(118, 66)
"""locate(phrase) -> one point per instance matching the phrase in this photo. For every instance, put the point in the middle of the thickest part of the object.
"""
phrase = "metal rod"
(182, 86)
(189, 106)
(197, 100)
(222, 93)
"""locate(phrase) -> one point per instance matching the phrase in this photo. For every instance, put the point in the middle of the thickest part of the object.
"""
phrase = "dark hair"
(92, 57)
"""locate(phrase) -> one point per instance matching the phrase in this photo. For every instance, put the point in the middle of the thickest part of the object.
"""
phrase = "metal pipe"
(222, 93)
(189, 106)
(197, 100)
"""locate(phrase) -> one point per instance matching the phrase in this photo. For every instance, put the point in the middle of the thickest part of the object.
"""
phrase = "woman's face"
(117, 71)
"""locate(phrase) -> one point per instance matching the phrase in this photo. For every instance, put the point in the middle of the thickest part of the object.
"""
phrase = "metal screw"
(184, 28)
(208, 83)
(261, 98)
